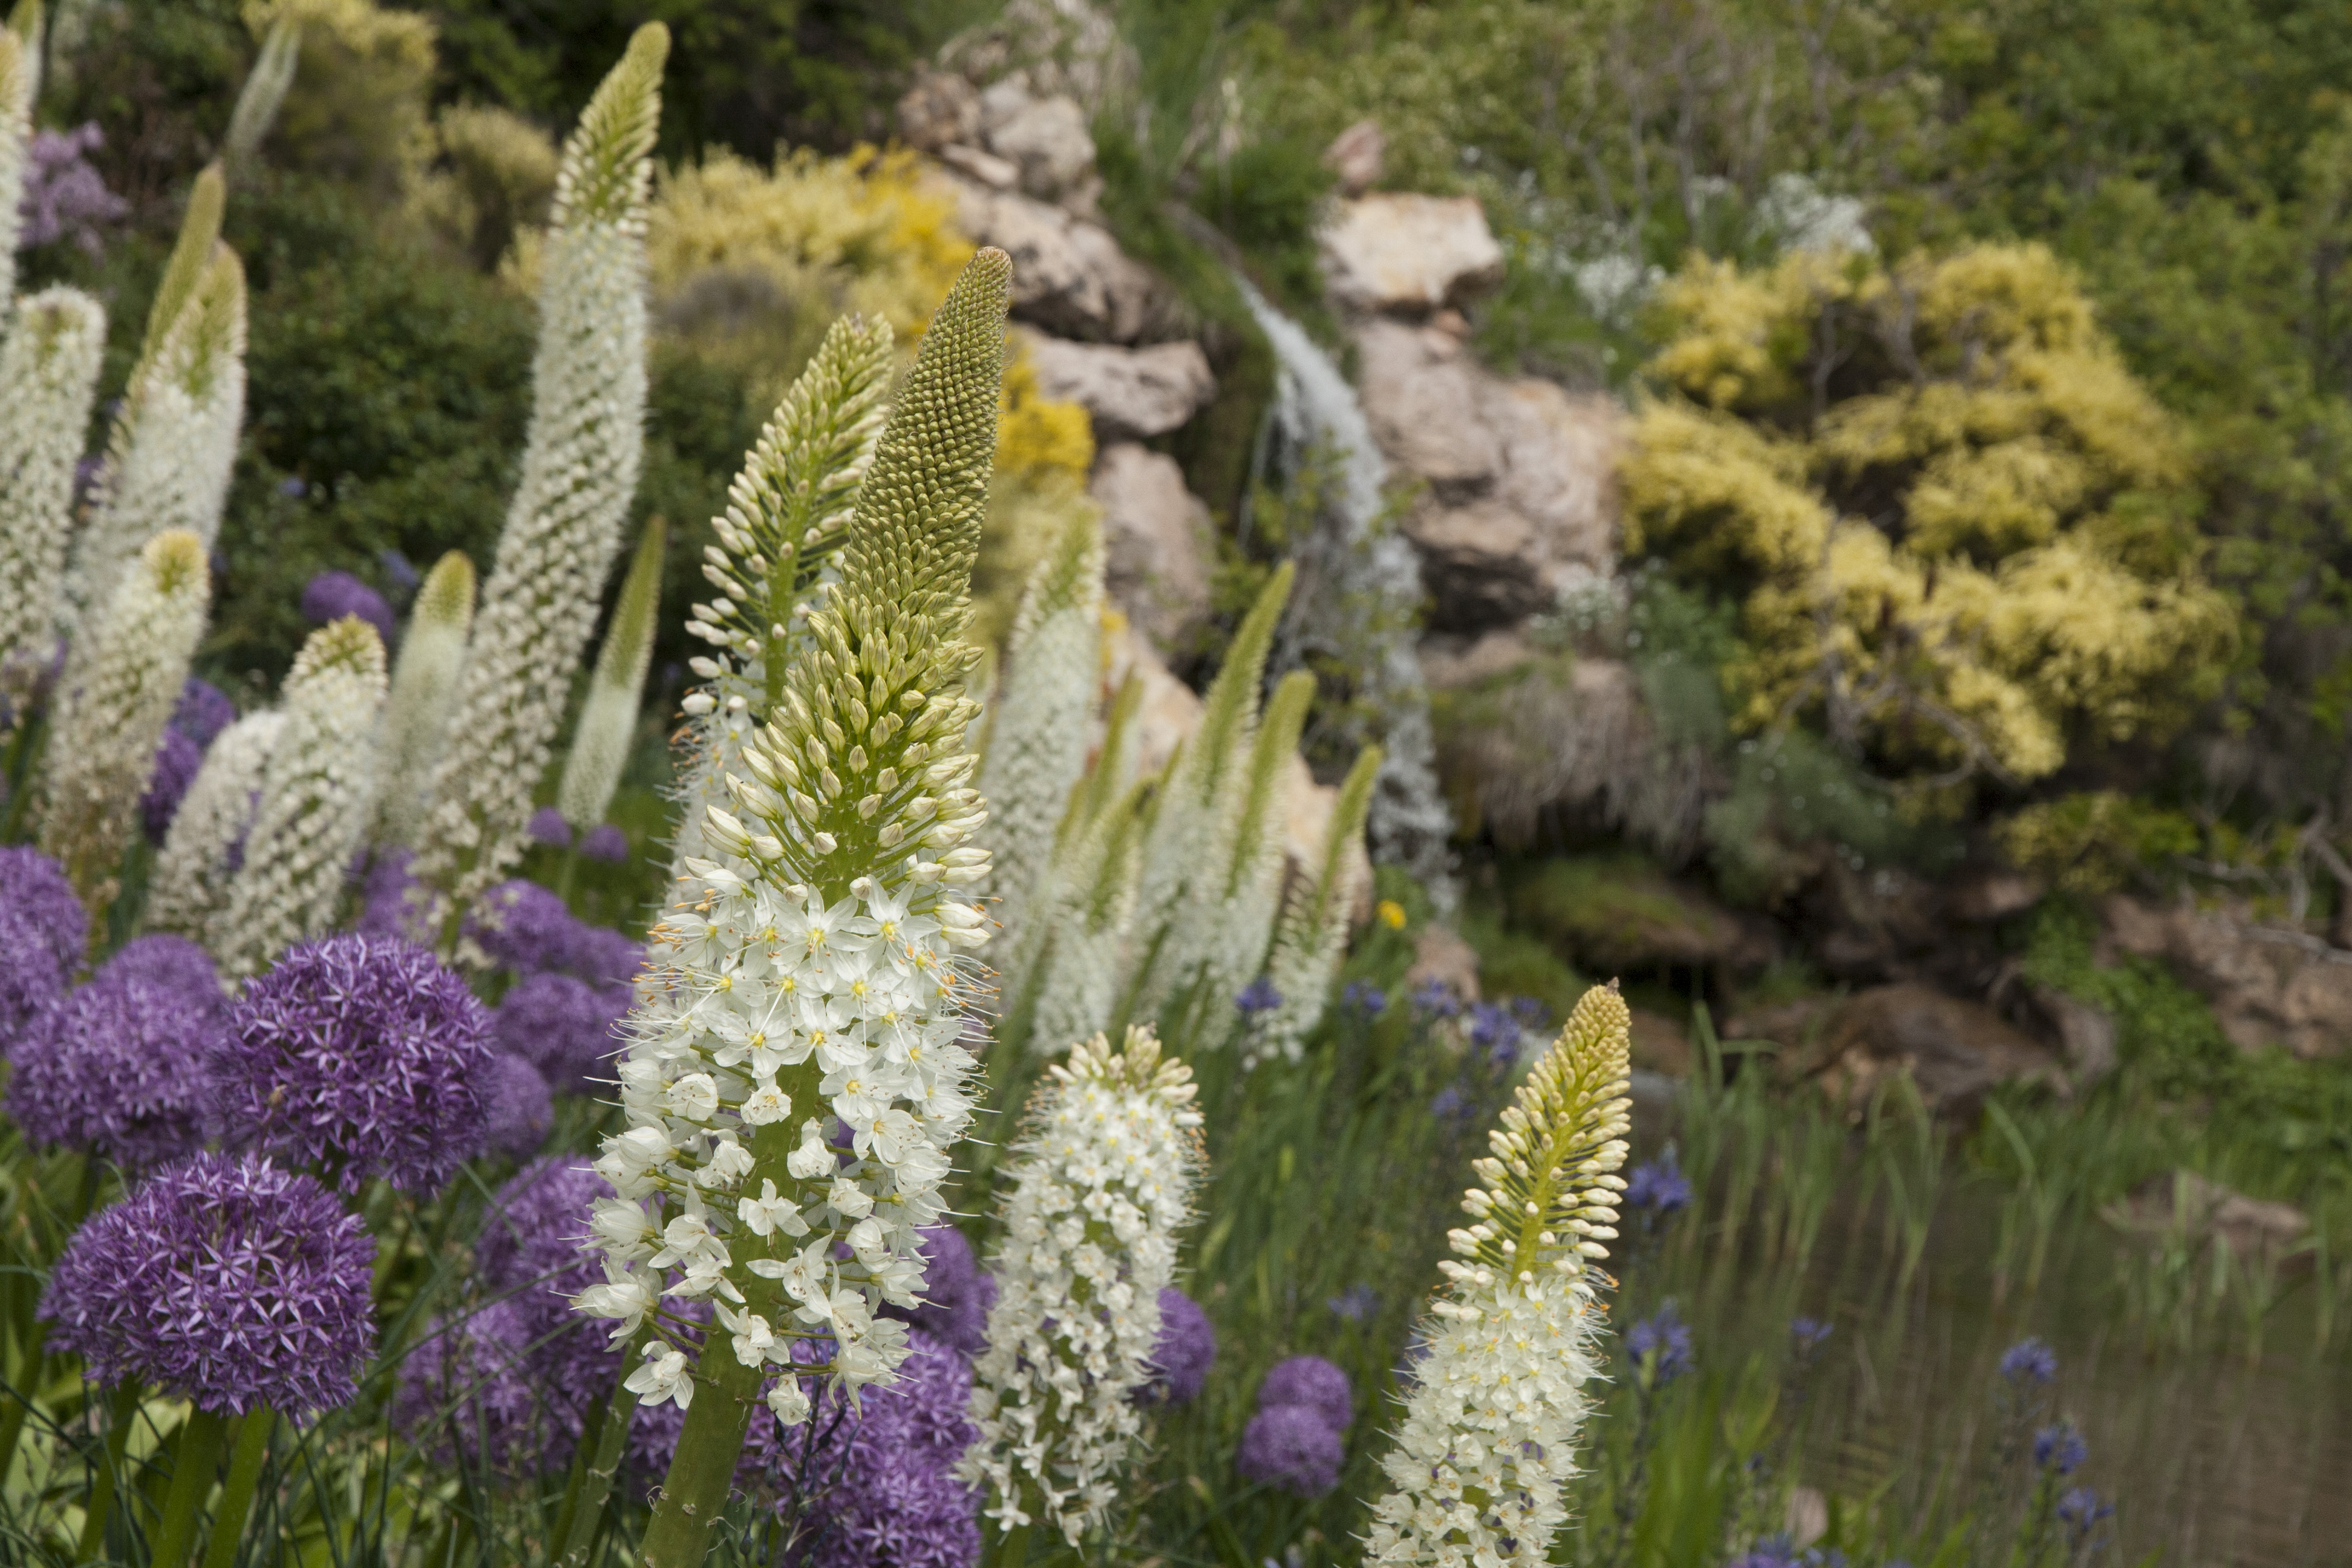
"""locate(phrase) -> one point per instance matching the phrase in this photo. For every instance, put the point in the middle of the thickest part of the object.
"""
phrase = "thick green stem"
(191, 1480)
(1012, 1547)
(601, 1439)
(121, 1417)
(244, 1477)
(695, 1493)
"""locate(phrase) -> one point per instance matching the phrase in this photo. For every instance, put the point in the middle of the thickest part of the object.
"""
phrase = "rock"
(1047, 140)
(1481, 565)
(939, 109)
(1460, 663)
(997, 173)
(1064, 46)
(1617, 914)
(1356, 156)
(1069, 276)
(1130, 392)
(1984, 895)
(2267, 985)
(1953, 1049)
(1806, 1518)
(2184, 1205)
(1156, 537)
(1424, 397)
(1408, 253)
(1440, 955)
(2087, 1034)
(1559, 457)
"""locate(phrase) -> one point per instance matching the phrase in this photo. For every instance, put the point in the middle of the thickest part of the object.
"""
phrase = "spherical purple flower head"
(2028, 1361)
(1182, 1354)
(1435, 998)
(602, 956)
(332, 595)
(547, 827)
(1312, 1383)
(1660, 1345)
(43, 932)
(118, 1066)
(203, 711)
(1291, 1448)
(957, 1292)
(1364, 997)
(1658, 1188)
(386, 909)
(227, 1279)
(2060, 1449)
(64, 194)
(1258, 997)
(361, 1055)
(467, 1393)
(563, 1028)
(518, 1108)
(606, 843)
(525, 927)
(533, 1236)
(176, 762)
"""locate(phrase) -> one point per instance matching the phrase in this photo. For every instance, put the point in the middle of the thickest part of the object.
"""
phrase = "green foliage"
(2097, 841)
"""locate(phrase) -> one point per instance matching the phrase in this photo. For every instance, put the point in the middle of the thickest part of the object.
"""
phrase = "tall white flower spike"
(188, 893)
(48, 376)
(423, 682)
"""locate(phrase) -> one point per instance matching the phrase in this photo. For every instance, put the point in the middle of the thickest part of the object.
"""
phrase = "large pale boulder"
(1069, 276)
(1953, 1049)
(1156, 539)
(1423, 396)
(1047, 141)
(1055, 47)
(1409, 253)
(940, 109)
(2268, 984)
(1130, 393)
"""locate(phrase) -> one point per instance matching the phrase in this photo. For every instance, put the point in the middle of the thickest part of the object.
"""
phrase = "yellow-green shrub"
(359, 108)
(1956, 527)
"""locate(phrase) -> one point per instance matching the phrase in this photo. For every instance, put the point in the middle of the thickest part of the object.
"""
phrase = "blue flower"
(1660, 1345)
(1494, 1030)
(2082, 1510)
(1356, 1303)
(1365, 997)
(2060, 1449)
(2029, 1359)
(1436, 998)
(1771, 1552)
(398, 570)
(1808, 1333)
(1657, 1187)
(1258, 997)
(1449, 1105)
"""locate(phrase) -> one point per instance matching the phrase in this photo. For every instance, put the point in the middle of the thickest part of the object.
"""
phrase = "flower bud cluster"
(1490, 1428)
(1101, 1192)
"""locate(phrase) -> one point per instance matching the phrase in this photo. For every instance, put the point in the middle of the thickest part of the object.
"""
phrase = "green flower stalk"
(1310, 938)
(1102, 1189)
(1062, 983)
(173, 441)
(608, 720)
(1488, 1442)
(264, 93)
(424, 683)
(120, 683)
(318, 794)
(188, 893)
(48, 375)
(816, 978)
(20, 87)
(579, 469)
(1038, 740)
(786, 520)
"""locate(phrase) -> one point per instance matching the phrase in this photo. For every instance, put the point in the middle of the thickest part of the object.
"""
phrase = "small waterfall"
(1361, 597)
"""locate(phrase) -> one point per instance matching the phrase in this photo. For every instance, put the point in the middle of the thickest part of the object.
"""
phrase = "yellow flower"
(1392, 914)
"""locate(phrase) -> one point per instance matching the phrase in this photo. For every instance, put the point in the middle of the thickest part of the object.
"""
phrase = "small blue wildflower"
(1436, 998)
(1658, 1188)
(2029, 1359)
(293, 487)
(1771, 1552)
(1534, 1017)
(2081, 1510)
(1660, 1345)
(1496, 1031)
(398, 570)
(1808, 1334)
(1449, 1105)
(2060, 1449)
(1258, 997)
(1356, 1303)
(1364, 997)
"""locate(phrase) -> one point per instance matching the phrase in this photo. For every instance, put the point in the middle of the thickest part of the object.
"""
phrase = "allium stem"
(121, 1415)
(195, 1459)
(245, 1464)
(604, 1438)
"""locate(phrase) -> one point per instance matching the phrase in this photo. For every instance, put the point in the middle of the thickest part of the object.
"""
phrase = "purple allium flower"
(518, 1108)
(1660, 1345)
(2060, 1449)
(1182, 1354)
(957, 1292)
(116, 1068)
(1435, 998)
(1312, 1383)
(227, 1279)
(2028, 1361)
(332, 595)
(1356, 1303)
(398, 570)
(547, 827)
(1364, 997)
(602, 956)
(385, 908)
(529, 1251)
(1808, 1334)
(1258, 997)
(362, 1055)
(1292, 1449)
(467, 1395)
(525, 927)
(176, 762)
(1658, 1188)
(563, 1028)
(203, 711)
(43, 932)
(64, 196)
(2081, 1510)
(606, 843)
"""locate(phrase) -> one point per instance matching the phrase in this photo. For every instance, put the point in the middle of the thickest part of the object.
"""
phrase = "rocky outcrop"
(1390, 252)
(1069, 276)
(1157, 540)
(1953, 1049)
(1129, 394)
(2185, 1208)
(2268, 984)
